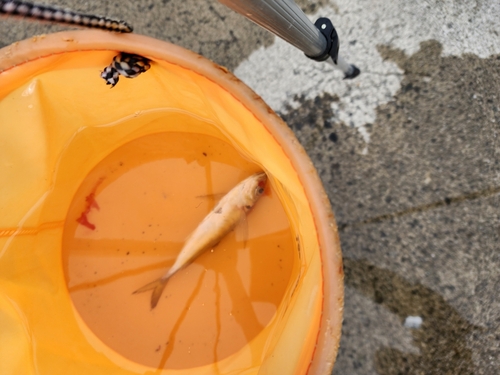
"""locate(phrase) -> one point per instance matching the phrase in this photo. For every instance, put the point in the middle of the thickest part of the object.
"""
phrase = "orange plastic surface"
(58, 121)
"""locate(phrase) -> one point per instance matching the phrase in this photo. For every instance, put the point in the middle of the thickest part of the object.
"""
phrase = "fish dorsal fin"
(216, 197)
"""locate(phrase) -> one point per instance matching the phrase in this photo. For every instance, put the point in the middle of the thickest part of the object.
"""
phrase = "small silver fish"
(219, 222)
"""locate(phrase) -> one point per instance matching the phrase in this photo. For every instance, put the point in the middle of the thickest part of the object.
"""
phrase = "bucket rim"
(41, 46)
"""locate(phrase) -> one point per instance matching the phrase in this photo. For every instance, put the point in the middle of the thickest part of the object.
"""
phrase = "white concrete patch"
(280, 72)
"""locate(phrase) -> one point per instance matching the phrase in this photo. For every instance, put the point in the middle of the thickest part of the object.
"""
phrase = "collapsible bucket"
(101, 185)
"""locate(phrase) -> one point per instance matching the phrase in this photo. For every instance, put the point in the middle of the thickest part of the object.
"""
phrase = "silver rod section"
(285, 19)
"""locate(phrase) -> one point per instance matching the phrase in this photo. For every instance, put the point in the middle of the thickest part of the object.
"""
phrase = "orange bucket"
(100, 186)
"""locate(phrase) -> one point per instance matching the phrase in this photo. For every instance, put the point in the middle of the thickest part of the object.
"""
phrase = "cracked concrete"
(419, 210)
(409, 155)
(435, 141)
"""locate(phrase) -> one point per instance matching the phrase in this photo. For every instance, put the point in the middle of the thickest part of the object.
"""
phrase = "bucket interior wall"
(58, 120)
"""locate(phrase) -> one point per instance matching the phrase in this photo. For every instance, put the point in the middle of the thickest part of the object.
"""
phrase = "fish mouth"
(261, 178)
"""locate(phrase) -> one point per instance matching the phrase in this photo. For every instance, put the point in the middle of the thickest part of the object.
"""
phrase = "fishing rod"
(319, 41)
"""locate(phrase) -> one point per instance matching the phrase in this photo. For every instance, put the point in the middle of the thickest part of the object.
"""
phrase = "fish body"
(219, 222)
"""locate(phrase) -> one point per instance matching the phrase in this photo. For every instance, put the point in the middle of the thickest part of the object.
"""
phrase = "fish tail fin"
(158, 286)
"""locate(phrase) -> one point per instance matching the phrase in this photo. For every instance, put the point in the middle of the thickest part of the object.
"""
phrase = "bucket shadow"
(442, 337)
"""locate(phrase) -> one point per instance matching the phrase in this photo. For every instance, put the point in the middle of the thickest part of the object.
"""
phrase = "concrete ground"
(409, 153)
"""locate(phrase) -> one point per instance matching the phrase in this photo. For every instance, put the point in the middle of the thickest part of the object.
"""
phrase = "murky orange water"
(128, 222)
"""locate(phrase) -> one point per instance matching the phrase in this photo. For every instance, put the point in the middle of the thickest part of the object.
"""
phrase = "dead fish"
(219, 222)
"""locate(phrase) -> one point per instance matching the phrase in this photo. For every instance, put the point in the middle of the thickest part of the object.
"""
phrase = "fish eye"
(259, 190)
(248, 207)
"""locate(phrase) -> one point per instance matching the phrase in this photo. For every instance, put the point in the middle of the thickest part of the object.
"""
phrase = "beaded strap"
(60, 15)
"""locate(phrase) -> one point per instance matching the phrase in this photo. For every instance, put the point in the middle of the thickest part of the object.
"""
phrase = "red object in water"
(91, 203)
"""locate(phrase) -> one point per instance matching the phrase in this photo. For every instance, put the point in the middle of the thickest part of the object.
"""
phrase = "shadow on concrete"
(442, 336)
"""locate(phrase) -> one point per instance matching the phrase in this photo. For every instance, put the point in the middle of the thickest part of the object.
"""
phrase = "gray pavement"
(409, 154)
